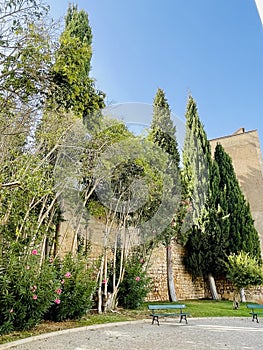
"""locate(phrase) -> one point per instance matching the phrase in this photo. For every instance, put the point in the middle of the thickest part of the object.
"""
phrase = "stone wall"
(185, 287)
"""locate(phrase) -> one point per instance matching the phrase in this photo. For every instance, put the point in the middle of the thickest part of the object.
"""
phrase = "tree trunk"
(235, 300)
(170, 276)
(242, 295)
(100, 294)
(212, 286)
(111, 300)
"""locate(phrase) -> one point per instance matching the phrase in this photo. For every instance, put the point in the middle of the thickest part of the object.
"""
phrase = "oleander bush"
(135, 285)
(26, 290)
(74, 294)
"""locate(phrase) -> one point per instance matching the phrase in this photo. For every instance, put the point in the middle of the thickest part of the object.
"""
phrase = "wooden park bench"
(256, 309)
(167, 310)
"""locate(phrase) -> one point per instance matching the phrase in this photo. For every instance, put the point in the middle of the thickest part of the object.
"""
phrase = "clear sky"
(212, 49)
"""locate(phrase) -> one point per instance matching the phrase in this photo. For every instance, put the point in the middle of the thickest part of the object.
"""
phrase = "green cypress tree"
(242, 233)
(197, 175)
(196, 161)
(204, 245)
(226, 226)
(74, 89)
(163, 134)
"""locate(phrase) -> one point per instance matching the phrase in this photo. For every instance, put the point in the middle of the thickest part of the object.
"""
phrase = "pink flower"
(34, 297)
(141, 260)
(33, 289)
(57, 301)
(62, 281)
(27, 267)
(137, 278)
(11, 311)
(58, 291)
(51, 260)
(34, 252)
(104, 281)
(68, 275)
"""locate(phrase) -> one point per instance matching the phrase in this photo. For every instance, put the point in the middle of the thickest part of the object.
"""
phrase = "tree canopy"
(74, 89)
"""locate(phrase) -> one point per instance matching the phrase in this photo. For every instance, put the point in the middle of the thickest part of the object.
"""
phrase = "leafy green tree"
(128, 186)
(25, 60)
(74, 90)
(26, 50)
(72, 97)
(243, 271)
(163, 134)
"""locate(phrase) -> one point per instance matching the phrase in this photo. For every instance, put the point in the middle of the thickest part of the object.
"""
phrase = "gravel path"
(200, 333)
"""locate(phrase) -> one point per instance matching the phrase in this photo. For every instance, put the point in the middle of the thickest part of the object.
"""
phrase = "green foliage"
(74, 293)
(196, 161)
(238, 222)
(26, 51)
(225, 226)
(135, 285)
(24, 207)
(163, 135)
(162, 129)
(130, 175)
(73, 89)
(27, 289)
(243, 270)
(207, 244)
(196, 175)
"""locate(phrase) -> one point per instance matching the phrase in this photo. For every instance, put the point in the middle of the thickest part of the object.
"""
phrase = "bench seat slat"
(166, 306)
(170, 314)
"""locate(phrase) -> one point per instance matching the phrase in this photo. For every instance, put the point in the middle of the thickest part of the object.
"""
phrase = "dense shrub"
(26, 290)
(135, 285)
(74, 294)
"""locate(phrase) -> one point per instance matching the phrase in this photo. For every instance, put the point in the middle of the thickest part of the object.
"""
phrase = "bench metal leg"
(255, 317)
(183, 317)
(155, 318)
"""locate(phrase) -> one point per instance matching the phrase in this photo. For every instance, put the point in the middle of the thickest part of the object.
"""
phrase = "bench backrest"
(166, 306)
(255, 306)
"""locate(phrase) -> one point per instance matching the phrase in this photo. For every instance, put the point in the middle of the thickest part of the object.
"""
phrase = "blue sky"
(212, 49)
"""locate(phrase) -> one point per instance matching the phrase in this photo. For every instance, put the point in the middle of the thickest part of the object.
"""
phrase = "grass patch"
(196, 308)
(215, 308)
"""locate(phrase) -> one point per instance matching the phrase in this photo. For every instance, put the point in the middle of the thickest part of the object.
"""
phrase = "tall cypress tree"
(204, 245)
(242, 233)
(73, 88)
(197, 172)
(163, 134)
(226, 225)
(196, 161)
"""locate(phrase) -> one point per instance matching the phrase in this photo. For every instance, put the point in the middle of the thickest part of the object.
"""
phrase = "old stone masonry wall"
(185, 287)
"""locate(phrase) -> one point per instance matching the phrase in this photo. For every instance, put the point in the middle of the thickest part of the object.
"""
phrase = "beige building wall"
(244, 149)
